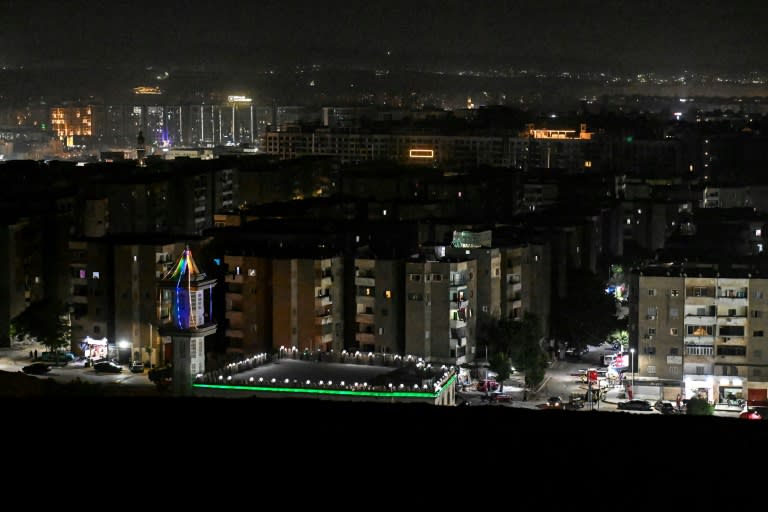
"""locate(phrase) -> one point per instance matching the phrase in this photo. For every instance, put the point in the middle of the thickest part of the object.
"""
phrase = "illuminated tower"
(140, 148)
(184, 292)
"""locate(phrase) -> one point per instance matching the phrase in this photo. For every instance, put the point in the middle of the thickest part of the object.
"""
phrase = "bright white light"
(124, 344)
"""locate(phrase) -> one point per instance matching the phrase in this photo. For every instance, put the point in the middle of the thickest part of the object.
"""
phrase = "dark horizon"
(587, 34)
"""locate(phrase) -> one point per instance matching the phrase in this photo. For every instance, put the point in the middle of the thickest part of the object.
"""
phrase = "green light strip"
(405, 394)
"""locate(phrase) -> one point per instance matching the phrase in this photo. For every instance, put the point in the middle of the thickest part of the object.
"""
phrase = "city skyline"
(587, 33)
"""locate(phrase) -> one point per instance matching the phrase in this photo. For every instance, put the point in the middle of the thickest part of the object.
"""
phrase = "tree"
(587, 314)
(515, 341)
(499, 363)
(699, 407)
(525, 348)
(47, 321)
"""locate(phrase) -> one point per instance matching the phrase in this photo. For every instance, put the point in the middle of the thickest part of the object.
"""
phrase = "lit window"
(758, 232)
(675, 293)
(251, 272)
(82, 273)
(673, 331)
(237, 271)
(388, 294)
(135, 258)
(95, 275)
(384, 212)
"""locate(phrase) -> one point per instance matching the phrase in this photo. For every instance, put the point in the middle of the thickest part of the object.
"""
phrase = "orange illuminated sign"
(421, 153)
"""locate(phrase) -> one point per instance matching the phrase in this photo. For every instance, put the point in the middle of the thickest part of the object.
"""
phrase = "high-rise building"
(439, 310)
(73, 124)
(700, 329)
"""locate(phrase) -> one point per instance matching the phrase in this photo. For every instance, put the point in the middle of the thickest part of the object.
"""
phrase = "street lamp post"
(632, 368)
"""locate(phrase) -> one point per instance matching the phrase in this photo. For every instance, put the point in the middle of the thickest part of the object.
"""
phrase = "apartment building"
(702, 327)
(273, 301)
(22, 278)
(526, 283)
(379, 303)
(439, 310)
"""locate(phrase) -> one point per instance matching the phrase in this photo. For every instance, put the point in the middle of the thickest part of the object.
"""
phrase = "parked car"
(485, 386)
(636, 405)
(500, 397)
(137, 367)
(36, 369)
(57, 357)
(750, 414)
(107, 367)
(665, 407)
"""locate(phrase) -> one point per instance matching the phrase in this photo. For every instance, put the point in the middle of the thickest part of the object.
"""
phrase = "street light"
(632, 368)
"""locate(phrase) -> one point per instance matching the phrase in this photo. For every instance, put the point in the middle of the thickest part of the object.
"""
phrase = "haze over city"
(586, 34)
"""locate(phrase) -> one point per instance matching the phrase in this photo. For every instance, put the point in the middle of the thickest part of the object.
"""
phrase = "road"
(562, 380)
(13, 359)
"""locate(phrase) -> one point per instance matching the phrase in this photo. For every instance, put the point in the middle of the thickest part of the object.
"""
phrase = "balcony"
(322, 301)
(323, 320)
(234, 333)
(732, 320)
(365, 337)
(365, 281)
(322, 338)
(691, 351)
(700, 319)
(365, 299)
(364, 318)
(235, 317)
(699, 340)
(732, 300)
(456, 323)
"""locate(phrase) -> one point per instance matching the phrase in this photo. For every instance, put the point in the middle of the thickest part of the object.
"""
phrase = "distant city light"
(145, 89)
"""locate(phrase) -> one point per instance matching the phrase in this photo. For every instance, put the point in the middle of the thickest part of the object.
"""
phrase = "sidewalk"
(17, 355)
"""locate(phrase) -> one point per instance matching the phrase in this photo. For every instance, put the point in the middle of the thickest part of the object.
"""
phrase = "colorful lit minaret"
(184, 293)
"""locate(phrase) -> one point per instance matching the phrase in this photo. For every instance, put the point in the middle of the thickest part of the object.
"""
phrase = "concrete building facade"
(702, 327)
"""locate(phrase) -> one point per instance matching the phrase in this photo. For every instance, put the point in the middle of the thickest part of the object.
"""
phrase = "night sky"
(643, 34)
